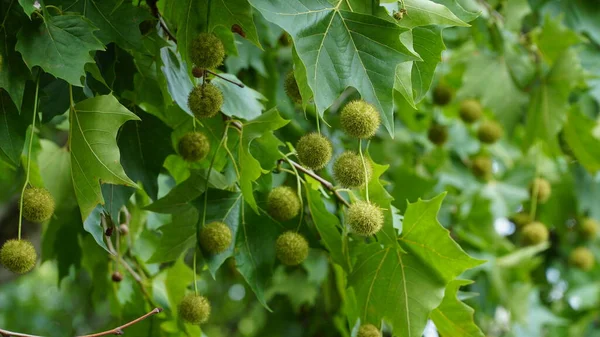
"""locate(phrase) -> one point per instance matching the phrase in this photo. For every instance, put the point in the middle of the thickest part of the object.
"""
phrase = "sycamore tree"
(354, 168)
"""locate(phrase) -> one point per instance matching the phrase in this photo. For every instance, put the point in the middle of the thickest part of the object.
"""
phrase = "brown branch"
(328, 185)
(116, 331)
(119, 330)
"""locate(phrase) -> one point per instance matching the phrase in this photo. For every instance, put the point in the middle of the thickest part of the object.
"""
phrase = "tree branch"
(328, 185)
(116, 331)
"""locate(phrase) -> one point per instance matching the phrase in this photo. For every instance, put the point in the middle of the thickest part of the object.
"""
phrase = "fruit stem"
(37, 88)
(362, 158)
(195, 280)
(225, 79)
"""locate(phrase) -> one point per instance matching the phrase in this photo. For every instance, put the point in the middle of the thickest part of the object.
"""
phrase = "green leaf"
(426, 13)
(144, 147)
(550, 101)
(255, 252)
(179, 84)
(583, 139)
(190, 18)
(352, 50)
(250, 169)
(380, 196)
(92, 224)
(13, 72)
(117, 21)
(177, 236)
(12, 130)
(456, 8)
(553, 38)
(55, 168)
(425, 237)
(28, 6)
(241, 102)
(61, 45)
(327, 223)
(94, 152)
(61, 241)
(116, 196)
(396, 287)
(453, 318)
(179, 276)
(225, 207)
(180, 197)
(488, 79)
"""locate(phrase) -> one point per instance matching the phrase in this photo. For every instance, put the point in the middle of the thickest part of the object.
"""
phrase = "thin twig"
(241, 85)
(116, 331)
(163, 24)
(119, 330)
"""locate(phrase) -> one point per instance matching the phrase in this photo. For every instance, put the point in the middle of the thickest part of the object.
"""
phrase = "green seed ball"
(535, 233)
(291, 88)
(521, 219)
(291, 248)
(589, 228)
(205, 101)
(18, 256)
(193, 146)
(207, 51)
(215, 237)
(349, 170)
(314, 151)
(543, 188)
(489, 132)
(368, 330)
(283, 203)
(438, 134)
(481, 166)
(364, 218)
(38, 204)
(442, 95)
(194, 309)
(470, 111)
(582, 258)
(360, 119)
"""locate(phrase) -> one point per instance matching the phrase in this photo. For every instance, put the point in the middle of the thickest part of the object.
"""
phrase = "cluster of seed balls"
(19, 256)
(205, 101)
(470, 111)
(359, 119)
(534, 232)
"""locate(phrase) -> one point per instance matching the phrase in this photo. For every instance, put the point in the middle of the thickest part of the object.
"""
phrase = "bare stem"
(116, 331)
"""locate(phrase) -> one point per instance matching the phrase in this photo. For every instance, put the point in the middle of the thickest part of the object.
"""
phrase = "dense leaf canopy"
(446, 183)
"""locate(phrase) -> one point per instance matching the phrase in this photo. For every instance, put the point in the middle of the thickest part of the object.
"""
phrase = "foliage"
(175, 182)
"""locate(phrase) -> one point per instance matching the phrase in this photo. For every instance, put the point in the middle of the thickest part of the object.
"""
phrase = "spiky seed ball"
(364, 218)
(291, 248)
(481, 166)
(18, 256)
(489, 132)
(283, 203)
(205, 101)
(543, 188)
(215, 237)
(194, 309)
(521, 219)
(589, 228)
(291, 87)
(582, 258)
(442, 95)
(535, 233)
(368, 330)
(207, 51)
(360, 119)
(470, 111)
(438, 134)
(314, 151)
(38, 204)
(193, 146)
(349, 171)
